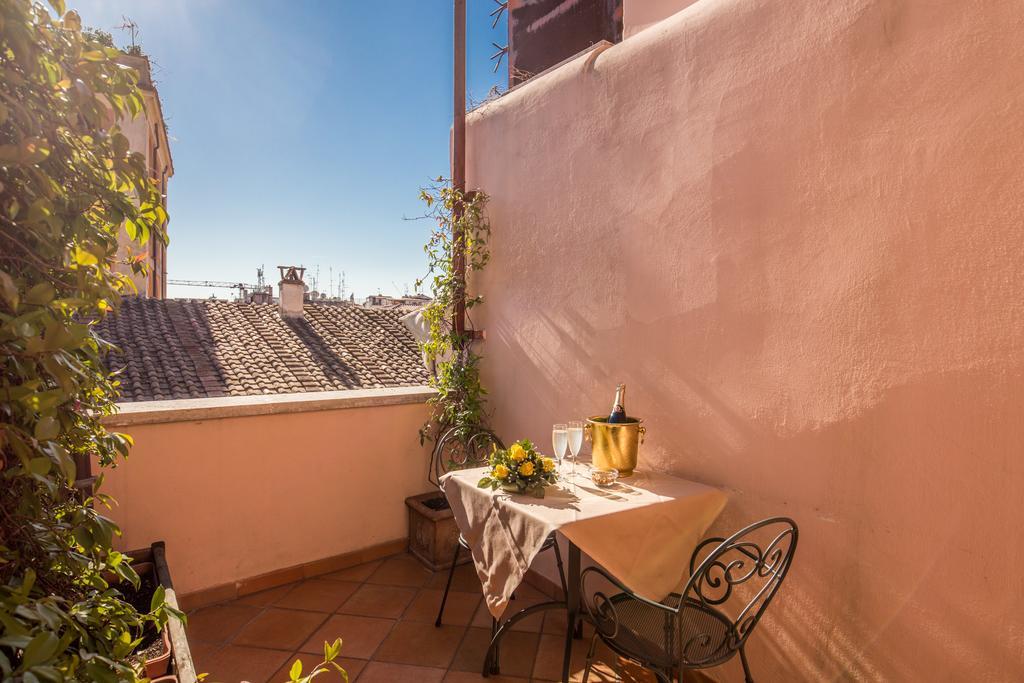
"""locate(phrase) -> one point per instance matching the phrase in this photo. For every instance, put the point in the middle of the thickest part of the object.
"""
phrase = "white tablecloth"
(642, 530)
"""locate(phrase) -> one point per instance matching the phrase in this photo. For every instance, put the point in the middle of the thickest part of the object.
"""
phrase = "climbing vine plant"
(69, 186)
(460, 401)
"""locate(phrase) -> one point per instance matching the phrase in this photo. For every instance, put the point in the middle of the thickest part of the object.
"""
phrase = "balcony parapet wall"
(188, 410)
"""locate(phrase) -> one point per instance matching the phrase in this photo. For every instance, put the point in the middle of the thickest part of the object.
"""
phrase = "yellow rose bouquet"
(520, 469)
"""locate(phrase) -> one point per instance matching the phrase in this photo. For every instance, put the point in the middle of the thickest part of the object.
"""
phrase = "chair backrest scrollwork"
(738, 577)
(460, 448)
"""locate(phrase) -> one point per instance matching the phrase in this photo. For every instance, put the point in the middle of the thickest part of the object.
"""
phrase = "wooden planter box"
(181, 667)
(433, 533)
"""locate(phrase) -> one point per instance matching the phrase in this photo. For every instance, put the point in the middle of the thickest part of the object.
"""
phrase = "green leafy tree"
(68, 186)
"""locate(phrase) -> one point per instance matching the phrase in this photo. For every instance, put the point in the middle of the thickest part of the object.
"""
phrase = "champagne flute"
(575, 433)
(560, 441)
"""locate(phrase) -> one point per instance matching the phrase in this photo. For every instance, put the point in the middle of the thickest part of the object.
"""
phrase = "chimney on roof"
(293, 291)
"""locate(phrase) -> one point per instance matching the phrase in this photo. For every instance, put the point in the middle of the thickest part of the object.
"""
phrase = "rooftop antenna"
(343, 284)
(133, 31)
(330, 272)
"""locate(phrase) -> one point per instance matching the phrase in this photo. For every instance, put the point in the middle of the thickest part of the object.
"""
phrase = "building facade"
(147, 135)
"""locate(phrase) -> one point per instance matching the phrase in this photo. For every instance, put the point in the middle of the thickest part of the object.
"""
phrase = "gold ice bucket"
(615, 445)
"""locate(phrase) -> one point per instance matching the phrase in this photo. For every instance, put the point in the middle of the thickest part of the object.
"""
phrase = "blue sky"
(302, 130)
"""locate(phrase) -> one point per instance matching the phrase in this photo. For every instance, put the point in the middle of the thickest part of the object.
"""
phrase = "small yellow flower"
(500, 471)
(517, 453)
(526, 469)
(548, 464)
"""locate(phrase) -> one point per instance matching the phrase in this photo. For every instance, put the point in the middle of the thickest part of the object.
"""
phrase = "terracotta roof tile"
(176, 348)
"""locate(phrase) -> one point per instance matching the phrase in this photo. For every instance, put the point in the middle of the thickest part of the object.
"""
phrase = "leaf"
(58, 7)
(296, 670)
(82, 257)
(158, 598)
(40, 294)
(47, 428)
(39, 650)
(39, 466)
(9, 291)
(120, 144)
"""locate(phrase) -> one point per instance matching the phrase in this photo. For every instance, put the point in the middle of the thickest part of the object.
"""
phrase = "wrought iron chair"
(455, 451)
(732, 580)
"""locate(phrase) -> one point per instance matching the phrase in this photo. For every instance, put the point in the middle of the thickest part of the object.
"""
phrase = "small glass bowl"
(604, 477)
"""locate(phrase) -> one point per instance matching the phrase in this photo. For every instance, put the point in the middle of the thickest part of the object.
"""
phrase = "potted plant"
(458, 421)
(163, 653)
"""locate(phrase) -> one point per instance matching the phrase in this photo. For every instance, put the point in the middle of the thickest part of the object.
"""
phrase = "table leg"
(572, 606)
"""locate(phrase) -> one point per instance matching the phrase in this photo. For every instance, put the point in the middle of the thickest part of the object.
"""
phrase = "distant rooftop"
(176, 348)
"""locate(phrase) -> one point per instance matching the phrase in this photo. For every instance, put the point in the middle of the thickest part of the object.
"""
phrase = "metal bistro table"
(641, 529)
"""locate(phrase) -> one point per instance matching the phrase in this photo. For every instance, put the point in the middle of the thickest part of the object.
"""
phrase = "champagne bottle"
(618, 414)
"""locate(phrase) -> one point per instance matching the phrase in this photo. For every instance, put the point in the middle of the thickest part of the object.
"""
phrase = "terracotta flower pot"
(157, 666)
(433, 533)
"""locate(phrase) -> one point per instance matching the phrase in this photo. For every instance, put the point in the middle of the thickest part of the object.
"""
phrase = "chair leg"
(746, 667)
(590, 657)
(448, 584)
(496, 662)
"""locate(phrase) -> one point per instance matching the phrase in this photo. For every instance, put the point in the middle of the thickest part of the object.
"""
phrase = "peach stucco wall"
(639, 14)
(238, 497)
(795, 230)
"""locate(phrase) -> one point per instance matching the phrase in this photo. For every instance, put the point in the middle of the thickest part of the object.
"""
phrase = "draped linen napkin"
(642, 530)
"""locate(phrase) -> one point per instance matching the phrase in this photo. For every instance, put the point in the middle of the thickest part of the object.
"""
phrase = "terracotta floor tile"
(280, 629)
(531, 624)
(378, 601)
(265, 598)
(218, 623)
(361, 636)
(464, 581)
(351, 666)
(318, 595)
(518, 651)
(402, 570)
(382, 672)
(256, 665)
(458, 610)
(361, 572)
(421, 644)
(550, 653)
(475, 677)
(204, 655)
(554, 623)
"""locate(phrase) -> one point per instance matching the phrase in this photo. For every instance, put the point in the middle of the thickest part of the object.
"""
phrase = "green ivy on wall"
(460, 400)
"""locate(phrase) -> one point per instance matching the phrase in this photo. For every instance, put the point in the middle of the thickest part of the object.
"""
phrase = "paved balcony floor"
(384, 611)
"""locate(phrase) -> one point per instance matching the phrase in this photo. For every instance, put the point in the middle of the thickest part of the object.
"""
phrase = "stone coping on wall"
(192, 409)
